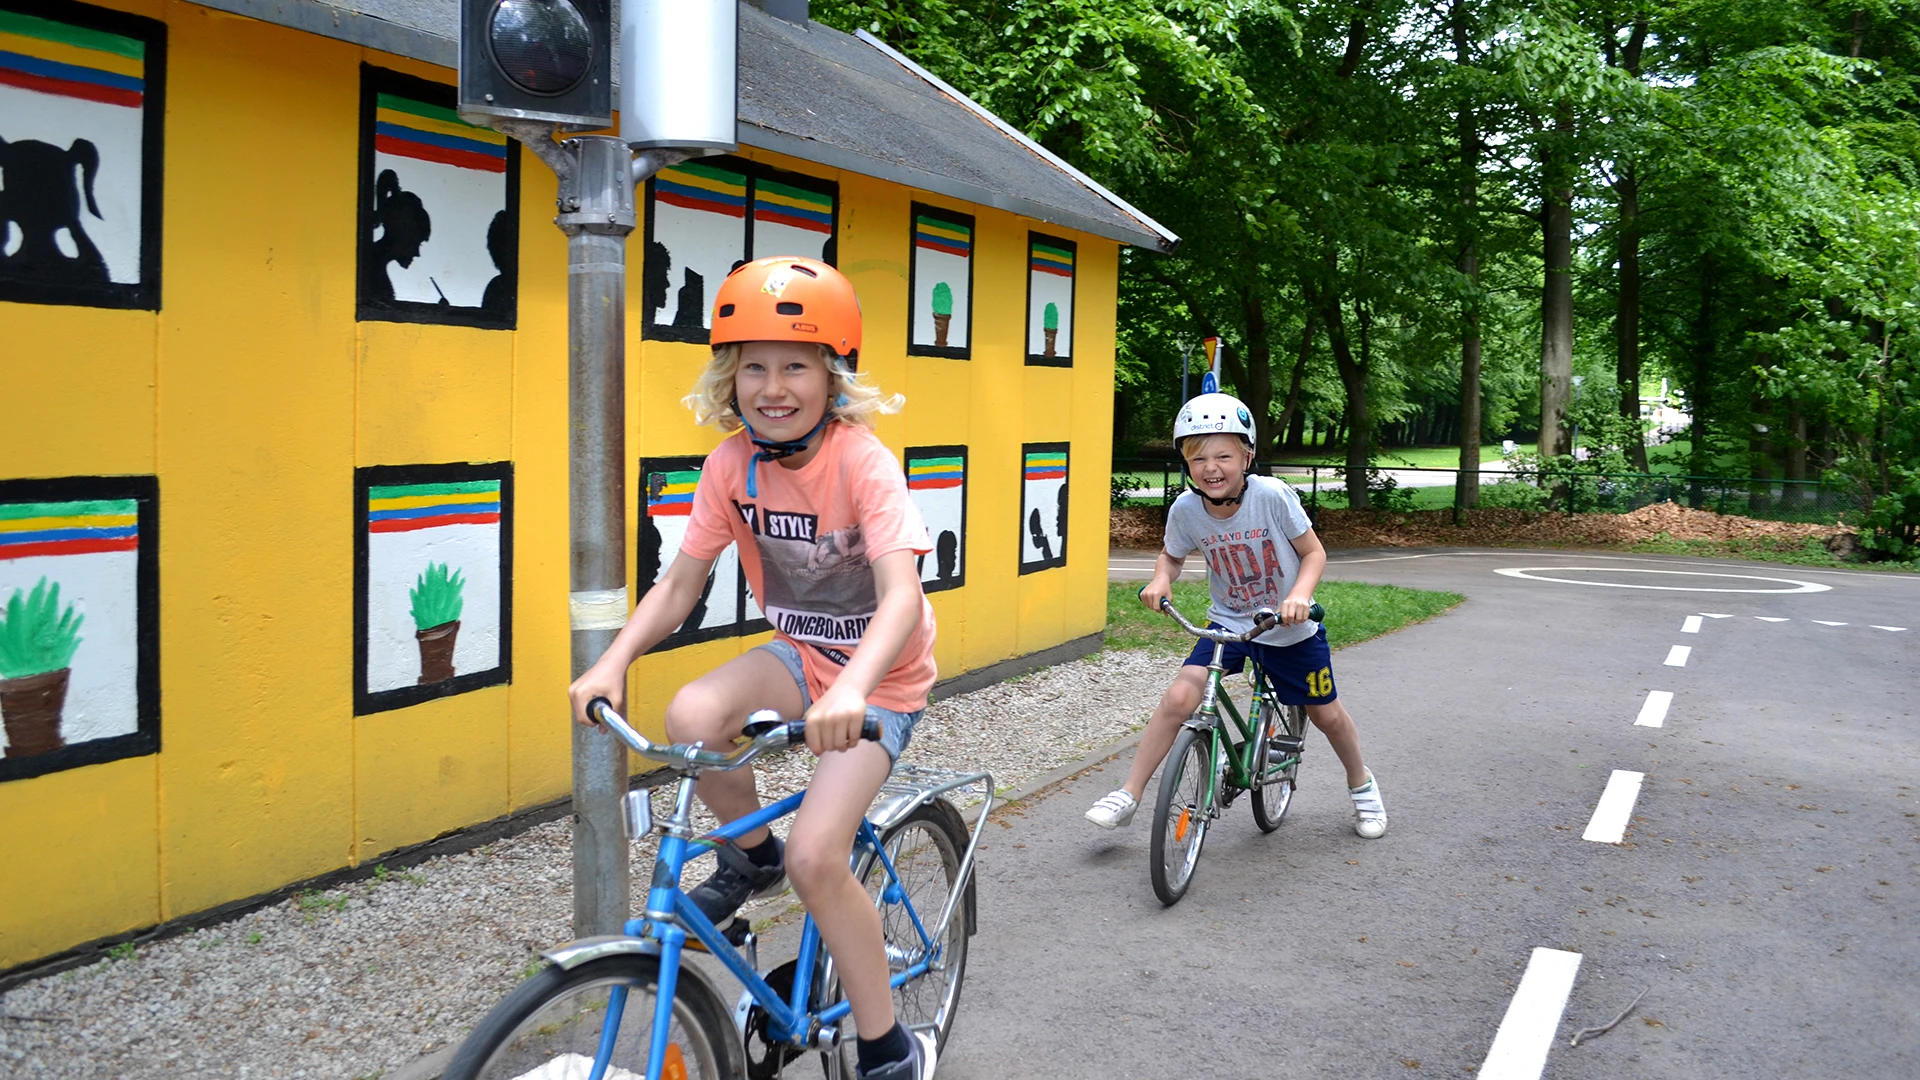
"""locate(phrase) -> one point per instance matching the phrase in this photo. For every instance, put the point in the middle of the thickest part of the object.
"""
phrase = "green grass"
(1355, 613)
(1419, 457)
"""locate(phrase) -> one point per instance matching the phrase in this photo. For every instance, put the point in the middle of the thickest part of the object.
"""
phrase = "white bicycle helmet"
(1213, 414)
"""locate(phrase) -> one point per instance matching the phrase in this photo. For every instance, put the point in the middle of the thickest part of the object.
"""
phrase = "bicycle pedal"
(736, 932)
(1282, 747)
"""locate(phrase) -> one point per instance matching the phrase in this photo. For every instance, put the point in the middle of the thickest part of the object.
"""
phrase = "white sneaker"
(1369, 812)
(1113, 810)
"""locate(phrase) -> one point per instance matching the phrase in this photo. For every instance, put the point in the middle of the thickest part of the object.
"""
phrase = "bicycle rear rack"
(912, 786)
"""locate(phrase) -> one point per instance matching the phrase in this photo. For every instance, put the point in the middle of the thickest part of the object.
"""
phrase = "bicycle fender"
(574, 953)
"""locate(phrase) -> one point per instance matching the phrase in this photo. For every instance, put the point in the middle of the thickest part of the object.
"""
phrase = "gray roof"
(865, 109)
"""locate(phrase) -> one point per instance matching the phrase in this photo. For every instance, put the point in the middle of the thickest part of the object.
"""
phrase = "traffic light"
(538, 60)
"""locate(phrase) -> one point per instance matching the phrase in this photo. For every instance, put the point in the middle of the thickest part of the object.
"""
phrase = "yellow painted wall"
(253, 394)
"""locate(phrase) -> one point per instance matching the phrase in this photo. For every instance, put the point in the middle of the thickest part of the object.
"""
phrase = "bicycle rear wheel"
(926, 848)
(1181, 814)
(1273, 784)
(555, 1024)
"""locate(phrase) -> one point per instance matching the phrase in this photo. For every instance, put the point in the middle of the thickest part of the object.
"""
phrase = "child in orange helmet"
(827, 536)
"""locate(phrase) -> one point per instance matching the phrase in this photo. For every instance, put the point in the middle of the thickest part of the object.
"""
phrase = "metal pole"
(1184, 350)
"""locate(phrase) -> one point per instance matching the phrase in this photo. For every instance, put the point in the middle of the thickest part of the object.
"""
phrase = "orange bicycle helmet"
(788, 298)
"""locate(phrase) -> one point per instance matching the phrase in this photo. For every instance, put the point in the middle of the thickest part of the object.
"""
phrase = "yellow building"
(283, 476)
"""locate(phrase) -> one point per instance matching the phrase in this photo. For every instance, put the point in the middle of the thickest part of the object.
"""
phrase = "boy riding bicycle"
(1239, 521)
(827, 537)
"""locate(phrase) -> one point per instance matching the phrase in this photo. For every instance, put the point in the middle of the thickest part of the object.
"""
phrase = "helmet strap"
(1231, 500)
(774, 449)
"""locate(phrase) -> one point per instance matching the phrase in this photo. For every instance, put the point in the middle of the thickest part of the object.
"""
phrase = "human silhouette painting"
(667, 504)
(1043, 541)
(937, 484)
(42, 190)
(439, 238)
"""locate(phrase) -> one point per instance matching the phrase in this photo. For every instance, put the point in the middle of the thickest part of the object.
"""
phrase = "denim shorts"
(896, 729)
(1301, 673)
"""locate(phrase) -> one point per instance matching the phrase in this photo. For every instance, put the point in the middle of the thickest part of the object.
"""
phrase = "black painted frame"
(966, 492)
(145, 738)
(1038, 565)
(365, 703)
(913, 274)
(1073, 300)
(145, 293)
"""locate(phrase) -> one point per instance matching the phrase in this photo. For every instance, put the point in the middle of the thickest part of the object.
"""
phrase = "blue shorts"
(896, 729)
(1301, 673)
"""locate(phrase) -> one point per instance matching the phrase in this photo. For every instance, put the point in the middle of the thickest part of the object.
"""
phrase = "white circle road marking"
(1532, 573)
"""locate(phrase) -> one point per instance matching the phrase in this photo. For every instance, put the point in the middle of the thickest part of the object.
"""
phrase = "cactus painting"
(79, 623)
(1050, 282)
(940, 320)
(432, 588)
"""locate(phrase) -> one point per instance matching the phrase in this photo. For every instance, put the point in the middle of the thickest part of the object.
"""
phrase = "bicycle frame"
(1241, 768)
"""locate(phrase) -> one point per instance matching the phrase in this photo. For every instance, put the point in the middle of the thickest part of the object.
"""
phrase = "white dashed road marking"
(1823, 622)
(1519, 1050)
(1711, 615)
(1895, 629)
(1677, 656)
(1609, 822)
(1654, 712)
(1771, 618)
(1691, 626)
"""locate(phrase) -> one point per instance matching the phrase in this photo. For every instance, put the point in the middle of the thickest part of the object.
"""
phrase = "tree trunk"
(1353, 376)
(1759, 457)
(1296, 431)
(1466, 488)
(1626, 322)
(1700, 394)
(1290, 412)
(1798, 497)
(1258, 386)
(1556, 302)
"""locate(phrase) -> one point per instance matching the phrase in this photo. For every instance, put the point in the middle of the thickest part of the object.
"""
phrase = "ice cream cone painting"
(77, 646)
(432, 582)
(1050, 270)
(942, 284)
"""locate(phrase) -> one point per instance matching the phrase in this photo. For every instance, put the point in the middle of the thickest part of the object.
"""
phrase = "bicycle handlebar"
(1263, 621)
(766, 729)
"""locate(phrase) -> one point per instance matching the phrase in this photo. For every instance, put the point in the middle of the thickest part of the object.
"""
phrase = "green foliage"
(437, 596)
(1355, 613)
(1893, 525)
(123, 951)
(36, 634)
(1513, 495)
(942, 298)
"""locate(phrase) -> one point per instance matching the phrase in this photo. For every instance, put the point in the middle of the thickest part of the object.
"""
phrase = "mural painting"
(432, 582)
(79, 637)
(698, 229)
(937, 483)
(1043, 506)
(940, 320)
(726, 607)
(439, 232)
(81, 108)
(1050, 300)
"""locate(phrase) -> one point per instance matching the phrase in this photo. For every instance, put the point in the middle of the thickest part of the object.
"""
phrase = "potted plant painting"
(37, 641)
(1050, 325)
(942, 312)
(437, 596)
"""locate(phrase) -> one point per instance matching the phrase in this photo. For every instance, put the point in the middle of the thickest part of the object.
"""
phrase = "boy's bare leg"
(713, 708)
(1337, 725)
(1175, 706)
(818, 849)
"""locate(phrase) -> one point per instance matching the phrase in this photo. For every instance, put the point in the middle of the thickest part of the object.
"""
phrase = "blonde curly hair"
(854, 401)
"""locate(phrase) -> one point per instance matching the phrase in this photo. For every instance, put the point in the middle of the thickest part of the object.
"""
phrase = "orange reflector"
(1180, 827)
(676, 1067)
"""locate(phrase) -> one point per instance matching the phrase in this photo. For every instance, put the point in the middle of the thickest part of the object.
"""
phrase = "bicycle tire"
(553, 1023)
(926, 848)
(1274, 786)
(1181, 814)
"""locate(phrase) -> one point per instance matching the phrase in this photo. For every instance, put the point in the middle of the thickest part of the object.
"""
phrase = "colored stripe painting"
(1052, 260)
(781, 204)
(936, 235)
(71, 61)
(68, 528)
(1046, 466)
(413, 129)
(670, 494)
(693, 186)
(927, 474)
(410, 507)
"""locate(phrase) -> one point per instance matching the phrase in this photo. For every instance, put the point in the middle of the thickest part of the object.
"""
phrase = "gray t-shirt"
(1251, 563)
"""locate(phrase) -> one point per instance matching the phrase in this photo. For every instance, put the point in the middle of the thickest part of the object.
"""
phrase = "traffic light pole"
(597, 175)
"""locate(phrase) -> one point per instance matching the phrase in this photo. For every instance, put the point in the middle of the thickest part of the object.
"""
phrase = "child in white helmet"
(1261, 552)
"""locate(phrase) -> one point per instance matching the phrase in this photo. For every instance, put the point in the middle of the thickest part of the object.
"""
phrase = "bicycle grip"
(594, 707)
(797, 731)
(1316, 613)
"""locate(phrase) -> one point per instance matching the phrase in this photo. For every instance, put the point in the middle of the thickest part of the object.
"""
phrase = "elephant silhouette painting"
(42, 190)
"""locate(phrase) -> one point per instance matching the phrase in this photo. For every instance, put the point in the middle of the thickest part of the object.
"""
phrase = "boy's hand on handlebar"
(596, 683)
(834, 721)
(1293, 612)
(1153, 592)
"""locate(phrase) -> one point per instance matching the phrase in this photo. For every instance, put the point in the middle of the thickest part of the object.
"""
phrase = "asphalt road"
(1762, 894)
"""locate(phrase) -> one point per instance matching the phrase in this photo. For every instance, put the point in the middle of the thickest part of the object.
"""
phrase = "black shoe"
(736, 880)
(917, 1065)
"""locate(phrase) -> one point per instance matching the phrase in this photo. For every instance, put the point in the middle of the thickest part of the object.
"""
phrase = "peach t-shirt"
(807, 544)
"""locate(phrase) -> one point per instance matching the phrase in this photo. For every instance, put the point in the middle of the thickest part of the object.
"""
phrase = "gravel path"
(357, 981)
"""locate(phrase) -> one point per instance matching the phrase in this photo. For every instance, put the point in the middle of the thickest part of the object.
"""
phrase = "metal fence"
(1149, 482)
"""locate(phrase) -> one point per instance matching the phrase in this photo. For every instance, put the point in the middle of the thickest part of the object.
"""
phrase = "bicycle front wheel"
(1181, 814)
(926, 848)
(555, 1025)
(1273, 784)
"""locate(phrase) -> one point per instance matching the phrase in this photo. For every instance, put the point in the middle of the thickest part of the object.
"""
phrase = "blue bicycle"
(627, 1006)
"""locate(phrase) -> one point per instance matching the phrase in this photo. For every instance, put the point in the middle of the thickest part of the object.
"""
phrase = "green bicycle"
(1208, 767)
